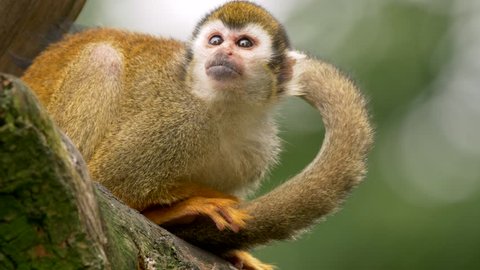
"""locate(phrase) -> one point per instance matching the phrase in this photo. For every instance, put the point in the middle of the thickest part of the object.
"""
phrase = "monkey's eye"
(215, 40)
(244, 43)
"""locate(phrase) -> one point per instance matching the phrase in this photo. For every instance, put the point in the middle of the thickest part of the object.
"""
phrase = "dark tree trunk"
(27, 26)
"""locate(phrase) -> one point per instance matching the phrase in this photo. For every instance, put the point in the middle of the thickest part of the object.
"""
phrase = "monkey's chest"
(237, 161)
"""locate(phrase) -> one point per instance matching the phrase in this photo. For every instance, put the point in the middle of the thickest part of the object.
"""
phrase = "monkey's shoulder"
(137, 55)
(131, 45)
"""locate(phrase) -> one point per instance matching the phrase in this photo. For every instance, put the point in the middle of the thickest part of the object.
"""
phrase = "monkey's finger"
(224, 213)
(219, 221)
(244, 260)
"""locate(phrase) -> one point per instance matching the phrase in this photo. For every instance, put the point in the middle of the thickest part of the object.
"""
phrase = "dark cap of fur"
(238, 14)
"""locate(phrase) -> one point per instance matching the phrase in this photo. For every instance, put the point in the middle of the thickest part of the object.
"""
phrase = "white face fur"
(251, 81)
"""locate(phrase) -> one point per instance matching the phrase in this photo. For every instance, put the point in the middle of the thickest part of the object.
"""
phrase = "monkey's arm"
(321, 187)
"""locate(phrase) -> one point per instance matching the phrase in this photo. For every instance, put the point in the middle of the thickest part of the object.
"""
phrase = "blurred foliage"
(394, 50)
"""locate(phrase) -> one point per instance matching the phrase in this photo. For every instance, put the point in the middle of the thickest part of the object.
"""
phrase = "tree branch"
(50, 218)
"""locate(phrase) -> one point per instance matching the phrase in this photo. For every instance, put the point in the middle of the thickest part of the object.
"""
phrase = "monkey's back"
(123, 100)
(139, 52)
(130, 122)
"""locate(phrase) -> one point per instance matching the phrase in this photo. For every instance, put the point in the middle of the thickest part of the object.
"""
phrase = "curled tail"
(322, 186)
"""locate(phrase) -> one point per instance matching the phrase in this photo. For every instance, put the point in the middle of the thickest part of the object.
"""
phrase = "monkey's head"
(239, 51)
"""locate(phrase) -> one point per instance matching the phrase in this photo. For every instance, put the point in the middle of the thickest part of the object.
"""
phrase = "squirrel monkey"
(182, 130)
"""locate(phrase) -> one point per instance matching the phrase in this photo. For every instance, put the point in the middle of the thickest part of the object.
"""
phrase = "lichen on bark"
(52, 216)
(39, 218)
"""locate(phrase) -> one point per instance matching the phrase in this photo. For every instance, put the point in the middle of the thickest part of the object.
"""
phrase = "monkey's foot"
(223, 212)
(245, 261)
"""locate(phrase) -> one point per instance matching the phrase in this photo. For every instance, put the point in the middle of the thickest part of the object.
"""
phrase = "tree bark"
(53, 217)
(28, 26)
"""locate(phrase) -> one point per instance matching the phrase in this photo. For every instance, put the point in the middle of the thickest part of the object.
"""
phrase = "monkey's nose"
(227, 51)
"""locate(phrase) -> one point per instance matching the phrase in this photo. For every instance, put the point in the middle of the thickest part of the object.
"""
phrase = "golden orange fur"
(128, 102)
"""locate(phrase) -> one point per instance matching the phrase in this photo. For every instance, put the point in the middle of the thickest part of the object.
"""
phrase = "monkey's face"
(233, 63)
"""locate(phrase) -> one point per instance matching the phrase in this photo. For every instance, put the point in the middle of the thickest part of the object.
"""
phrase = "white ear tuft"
(294, 87)
(296, 55)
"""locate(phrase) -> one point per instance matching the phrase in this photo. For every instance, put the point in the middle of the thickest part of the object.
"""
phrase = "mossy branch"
(53, 217)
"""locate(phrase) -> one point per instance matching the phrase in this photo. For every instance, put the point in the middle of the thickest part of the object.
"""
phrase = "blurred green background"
(418, 61)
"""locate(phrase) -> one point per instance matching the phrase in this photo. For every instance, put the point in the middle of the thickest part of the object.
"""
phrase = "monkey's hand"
(222, 211)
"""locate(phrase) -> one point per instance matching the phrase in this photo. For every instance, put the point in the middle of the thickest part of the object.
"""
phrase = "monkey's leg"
(195, 201)
(220, 210)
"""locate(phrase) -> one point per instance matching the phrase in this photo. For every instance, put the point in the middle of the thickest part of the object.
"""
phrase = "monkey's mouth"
(221, 70)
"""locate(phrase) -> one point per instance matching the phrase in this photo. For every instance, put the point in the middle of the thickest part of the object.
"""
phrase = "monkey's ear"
(286, 68)
(294, 69)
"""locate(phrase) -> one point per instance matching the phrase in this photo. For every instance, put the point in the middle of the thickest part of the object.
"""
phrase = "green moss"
(40, 225)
